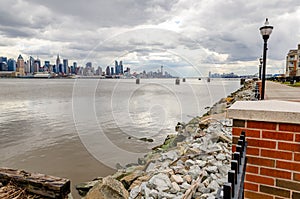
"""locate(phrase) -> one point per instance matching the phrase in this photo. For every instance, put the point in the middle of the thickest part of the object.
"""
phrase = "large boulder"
(107, 189)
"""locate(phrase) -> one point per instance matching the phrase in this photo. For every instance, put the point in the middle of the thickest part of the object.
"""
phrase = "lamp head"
(266, 30)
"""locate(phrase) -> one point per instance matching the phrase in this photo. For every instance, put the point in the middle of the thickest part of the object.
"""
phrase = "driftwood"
(190, 192)
(40, 184)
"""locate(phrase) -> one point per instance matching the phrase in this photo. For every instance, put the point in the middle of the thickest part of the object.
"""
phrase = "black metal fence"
(256, 91)
(234, 188)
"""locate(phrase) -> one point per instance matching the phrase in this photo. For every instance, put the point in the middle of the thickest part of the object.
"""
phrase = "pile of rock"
(196, 168)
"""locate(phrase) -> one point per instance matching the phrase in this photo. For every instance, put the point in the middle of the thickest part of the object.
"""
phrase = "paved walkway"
(279, 91)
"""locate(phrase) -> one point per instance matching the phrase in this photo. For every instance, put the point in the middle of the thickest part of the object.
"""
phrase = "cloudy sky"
(187, 37)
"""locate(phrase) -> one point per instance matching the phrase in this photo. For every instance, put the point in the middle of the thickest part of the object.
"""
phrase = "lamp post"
(260, 65)
(265, 31)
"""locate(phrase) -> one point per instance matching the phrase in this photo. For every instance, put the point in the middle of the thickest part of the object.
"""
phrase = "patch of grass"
(296, 84)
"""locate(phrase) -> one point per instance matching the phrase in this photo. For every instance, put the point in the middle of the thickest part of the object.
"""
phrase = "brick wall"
(273, 152)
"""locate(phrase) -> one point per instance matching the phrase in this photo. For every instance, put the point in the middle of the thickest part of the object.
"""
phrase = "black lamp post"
(260, 65)
(265, 31)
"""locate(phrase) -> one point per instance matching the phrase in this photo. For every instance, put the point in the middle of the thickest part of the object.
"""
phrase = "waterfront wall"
(273, 135)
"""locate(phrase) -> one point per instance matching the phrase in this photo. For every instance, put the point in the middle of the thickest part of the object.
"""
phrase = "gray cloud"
(150, 32)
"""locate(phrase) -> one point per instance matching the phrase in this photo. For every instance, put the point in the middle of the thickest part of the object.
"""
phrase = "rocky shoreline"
(193, 163)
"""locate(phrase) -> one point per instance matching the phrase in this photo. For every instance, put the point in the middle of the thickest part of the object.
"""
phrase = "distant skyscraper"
(37, 65)
(65, 66)
(117, 68)
(112, 71)
(20, 65)
(121, 68)
(162, 72)
(11, 65)
(99, 71)
(31, 64)
(47, 66)
(3, 59)
(88, 64)
(3, 64)
(107, 71)
(74, 67)
(57, 64)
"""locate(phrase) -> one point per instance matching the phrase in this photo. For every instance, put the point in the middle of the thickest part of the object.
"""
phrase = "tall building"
(293, 63)
(20, 65)
(74, 67)
(12, 65)
(99, 71)
(31, 64)
(121, 68)
(107, 71)
(117, 67)
(65, 66)
(37, 65)
(161, 70)
(47, 66)
(57, 64)
(88, 65)
(112, 71)
(3, 64)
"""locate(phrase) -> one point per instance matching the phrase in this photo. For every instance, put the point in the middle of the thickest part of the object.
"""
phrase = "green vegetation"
(296, 84)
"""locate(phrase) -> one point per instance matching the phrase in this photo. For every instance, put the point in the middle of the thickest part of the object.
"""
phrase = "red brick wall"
(273, 152)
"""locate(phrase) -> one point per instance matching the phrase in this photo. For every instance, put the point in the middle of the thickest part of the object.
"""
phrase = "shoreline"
(160, 164)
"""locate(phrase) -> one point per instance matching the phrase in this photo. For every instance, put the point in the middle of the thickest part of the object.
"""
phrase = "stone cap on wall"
(267, 110)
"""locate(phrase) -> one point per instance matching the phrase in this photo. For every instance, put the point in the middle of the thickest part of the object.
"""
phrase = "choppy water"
(79, 129)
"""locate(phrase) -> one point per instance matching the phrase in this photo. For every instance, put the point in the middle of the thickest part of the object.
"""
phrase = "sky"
(187, 37)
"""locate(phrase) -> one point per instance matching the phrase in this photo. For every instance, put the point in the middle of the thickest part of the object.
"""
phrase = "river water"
(81, 128)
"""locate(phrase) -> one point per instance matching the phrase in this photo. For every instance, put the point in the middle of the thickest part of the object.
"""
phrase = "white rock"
(201, 163)
(175, 187)
(150, 167)
(185, 186)
(134, 192)
(161, 182)
(213, 185)
(211, 169)
(194, 171)
(172, 155)
(177, 178)
(153, 193)
(189, 163)
(221, 156)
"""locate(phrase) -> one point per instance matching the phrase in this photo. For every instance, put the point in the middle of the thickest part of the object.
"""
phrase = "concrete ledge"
(267, 110)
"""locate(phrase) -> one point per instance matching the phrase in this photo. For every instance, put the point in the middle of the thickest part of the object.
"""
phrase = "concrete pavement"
(278, 91)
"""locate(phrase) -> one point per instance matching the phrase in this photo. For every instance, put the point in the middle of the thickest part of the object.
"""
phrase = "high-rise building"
(161, 70)
(107, 71)
(74, 67)
(57, 64)
(121, 68)
(12, 65)
(65, 66)
(31, 64)
(99, 71)
(117, 68)
(3, 59)
(3, 64)
(37, 65)
(20, 65)
(112, 71)
(88, 65)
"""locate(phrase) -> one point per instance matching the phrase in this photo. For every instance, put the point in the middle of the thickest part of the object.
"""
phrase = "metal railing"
(256, 91)
(234, 188)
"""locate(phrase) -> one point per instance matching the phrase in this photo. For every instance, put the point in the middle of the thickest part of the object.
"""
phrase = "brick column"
(273, 135)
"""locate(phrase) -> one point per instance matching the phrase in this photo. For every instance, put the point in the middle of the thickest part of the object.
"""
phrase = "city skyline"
(190, 37)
